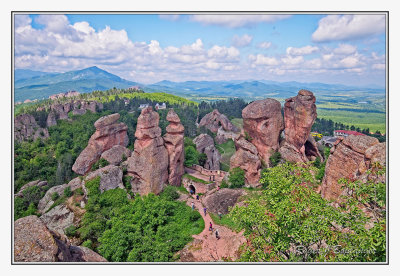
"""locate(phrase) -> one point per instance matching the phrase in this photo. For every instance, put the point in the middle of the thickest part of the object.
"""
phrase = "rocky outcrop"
(174, 144)
(58, 218)
(116, 154)
(351, 157)
(205, 144)
(300, 114)
(148, 163)
(61, 110)
(39, 183)
(26, 127)
(46, 202)
(34, 242)
(108, 134)
(110, 178)
(214, 120)
(246, 158)
(51, 119)
(220, 201)
(263, 122)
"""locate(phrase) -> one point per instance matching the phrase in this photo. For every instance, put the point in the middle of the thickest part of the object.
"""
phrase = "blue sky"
(334, 48)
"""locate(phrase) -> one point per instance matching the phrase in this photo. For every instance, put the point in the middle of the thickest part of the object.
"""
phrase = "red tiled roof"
(350, 132)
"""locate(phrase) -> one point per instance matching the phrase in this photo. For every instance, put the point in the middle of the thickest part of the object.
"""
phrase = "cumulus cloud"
(235, 20)
(345, 49)
(306, 50)
(348, 27)
(242, 41)
(263, 60)
(264, 45)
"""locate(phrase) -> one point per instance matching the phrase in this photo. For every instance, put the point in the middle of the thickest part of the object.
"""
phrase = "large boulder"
(205, 144)
(26, 127)
(46, 202)
(215, 120)
(61, 110)
(108, 134)
(148, 163)
(351, 157)
(263, 122)
(300, 114)
(58, 218)
(51, 119)
(34, 242)
(220, 201)
(110, 177)
(38, 183)
(173, 140)
(246, 158)
(116, 154)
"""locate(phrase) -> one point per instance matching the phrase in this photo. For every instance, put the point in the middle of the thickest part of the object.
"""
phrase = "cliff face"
(263, 122)
(149, 162)
(174, 144)
(205, 144)
(108, 134)
(26, 127)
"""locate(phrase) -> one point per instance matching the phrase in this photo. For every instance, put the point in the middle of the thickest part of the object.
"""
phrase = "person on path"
(205, 211)
(197, 197)
(210, 228)
(192, 205)
(217, 234)
(218, 188)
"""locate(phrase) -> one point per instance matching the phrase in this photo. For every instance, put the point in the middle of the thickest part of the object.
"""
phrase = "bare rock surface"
(246, 158)
(148, 163)
(214, 120)
(58, 218)
(205, 144)
(220, 201)
(108, 134)
(263, 122)
(26, 127)
(351, 158)
(39, 183)
(46, 202)
(110, 177)
(116, 154)
(173, 140)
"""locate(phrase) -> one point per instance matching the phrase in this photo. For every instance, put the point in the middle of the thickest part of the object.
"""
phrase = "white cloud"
(21, 20)
(169, 17)
(237, 21)
(264, 45)
(289, 60)
(345, 49)
(348, 27)
(379, 66)
(306, 50)
(263, 60)
(350, 62)
(242, 41)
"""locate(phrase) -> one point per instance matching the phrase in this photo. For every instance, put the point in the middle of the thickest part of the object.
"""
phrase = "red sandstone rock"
(174, 144)
(115, 155)
(246, 158)
(263, 122)
(26, 127)
(205, 144)
(351, 158)
(149, 161)
(106, 136)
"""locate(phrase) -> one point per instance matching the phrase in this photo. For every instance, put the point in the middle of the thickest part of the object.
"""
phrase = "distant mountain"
(85, 80)
(20, 74)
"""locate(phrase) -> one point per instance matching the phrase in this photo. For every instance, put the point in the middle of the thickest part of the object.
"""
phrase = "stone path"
(205, 247)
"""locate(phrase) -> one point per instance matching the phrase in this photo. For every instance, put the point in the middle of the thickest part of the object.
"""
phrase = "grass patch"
(237, 122)
(226, 149)
(195, 179)
(225, 221)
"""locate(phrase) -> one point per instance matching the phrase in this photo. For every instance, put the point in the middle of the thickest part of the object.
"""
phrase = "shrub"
(191, 156)
(170, 193)
(88, 244)
(236, 178)
(79, 191)
(101, 163)
(71, 231)
(32, 195)
(247, 136)
(127, 182)
(223, 184)
(54, 196)
(275, 158)
(68, 192)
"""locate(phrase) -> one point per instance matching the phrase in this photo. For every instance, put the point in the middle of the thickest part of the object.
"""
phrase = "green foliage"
(191, 156)
(291, 222)
(67, 192)
(202, 157)
(54, 196)
(21, 210)
(88, 244)
(71, 231)
(275, 158)
(236, 178)
(225, 167)
(170, 193)
(224, 184)
(247, 136)
(79, 191)
(101, 163)
(195, 179)
(225, 221)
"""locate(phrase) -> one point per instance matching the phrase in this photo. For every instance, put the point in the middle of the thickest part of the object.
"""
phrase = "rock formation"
(58, 218)
(263, 122)
(108, 134)
(300, 114)
(351, 157)
(214, 120)
(34, 242)
(39, 183)
(110, 178)
(61, 110)
(205, 144)
(220, 201)
(174, 144)
(246, 158)
(26, 127)
(51, 119)
(148, 163)
(116, 154)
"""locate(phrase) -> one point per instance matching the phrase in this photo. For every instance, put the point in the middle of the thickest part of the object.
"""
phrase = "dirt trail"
(205, 247)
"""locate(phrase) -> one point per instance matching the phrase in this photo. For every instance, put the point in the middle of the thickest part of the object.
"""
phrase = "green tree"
(236, 178)
(191, 156)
